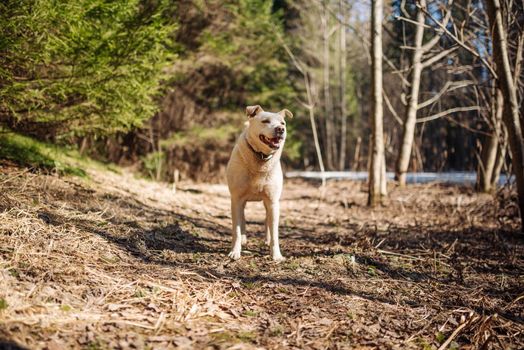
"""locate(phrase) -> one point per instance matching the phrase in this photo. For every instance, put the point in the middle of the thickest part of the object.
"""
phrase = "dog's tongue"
(275, 140)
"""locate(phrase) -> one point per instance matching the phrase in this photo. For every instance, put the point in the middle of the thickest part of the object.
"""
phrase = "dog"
(254, 173)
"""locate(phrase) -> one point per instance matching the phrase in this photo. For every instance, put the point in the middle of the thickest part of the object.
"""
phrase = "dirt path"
(117, 262)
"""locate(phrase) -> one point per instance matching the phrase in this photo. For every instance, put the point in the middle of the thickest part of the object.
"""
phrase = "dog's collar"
(260, 155)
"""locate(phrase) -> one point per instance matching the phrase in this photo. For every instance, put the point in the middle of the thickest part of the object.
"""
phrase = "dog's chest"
(260, 187)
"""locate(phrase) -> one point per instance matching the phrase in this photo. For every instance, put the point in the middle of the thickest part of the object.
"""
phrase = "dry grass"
(117, 262)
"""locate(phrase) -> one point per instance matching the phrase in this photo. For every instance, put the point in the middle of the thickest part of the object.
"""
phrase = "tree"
(310, 106)
(506, 74)
(377, 173)
(329, 25)
(342, 83)
(417, 65)
(78, 67)
(330, 136)
(493, 150)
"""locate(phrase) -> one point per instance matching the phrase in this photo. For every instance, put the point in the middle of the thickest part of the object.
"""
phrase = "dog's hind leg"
(268, 234)
(237, 208)
(243, 224)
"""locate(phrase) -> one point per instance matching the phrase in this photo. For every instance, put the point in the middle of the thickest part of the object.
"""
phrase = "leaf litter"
(119, 262)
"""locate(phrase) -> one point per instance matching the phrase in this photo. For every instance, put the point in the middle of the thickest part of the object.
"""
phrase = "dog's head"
(267, 129)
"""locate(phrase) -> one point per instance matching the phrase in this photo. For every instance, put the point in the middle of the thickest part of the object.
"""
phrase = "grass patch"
(292, 265)
(250, 313)
(248, 337)
(423, 344)
(65, 308)
(3, 304)
(14, 273)
(250, 285)
(229, 337)
(276, 331)
(28, 152)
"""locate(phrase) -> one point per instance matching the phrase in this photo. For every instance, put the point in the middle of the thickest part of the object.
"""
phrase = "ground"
(113, 261)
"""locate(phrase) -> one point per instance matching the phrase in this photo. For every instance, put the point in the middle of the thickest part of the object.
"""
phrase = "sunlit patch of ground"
(111, 261)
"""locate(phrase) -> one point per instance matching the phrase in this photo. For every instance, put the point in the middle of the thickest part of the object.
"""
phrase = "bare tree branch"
(449, 86)
(447, 112)
(367, 45)
(438, 56)
(461, 43)
(427, 46)
(402, 18)
(391, 109)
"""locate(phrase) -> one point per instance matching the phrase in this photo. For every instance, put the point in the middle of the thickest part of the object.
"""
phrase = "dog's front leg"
(272, 217)
(266, 226)
(237, 208)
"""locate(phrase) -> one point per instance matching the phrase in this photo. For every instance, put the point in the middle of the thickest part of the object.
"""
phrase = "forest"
(117, 121)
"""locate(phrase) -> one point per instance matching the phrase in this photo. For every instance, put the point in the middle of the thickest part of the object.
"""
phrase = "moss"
(28, 152)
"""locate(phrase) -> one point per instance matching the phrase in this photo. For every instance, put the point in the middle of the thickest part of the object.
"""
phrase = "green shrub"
(81, 66)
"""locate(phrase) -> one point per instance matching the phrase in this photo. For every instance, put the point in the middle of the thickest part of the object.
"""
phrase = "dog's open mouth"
(274, 142)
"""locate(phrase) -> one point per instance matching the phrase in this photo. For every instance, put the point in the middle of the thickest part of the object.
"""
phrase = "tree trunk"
(377, 153)
(314, 126)
(356, 157)
(383, 178)
(343, 112)
(511, 106)
(486, 167)
(501, 158)
(410, 119)
(490, 149)
(328, 106)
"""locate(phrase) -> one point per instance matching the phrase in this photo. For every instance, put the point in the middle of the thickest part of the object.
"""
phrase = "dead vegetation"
(117, 262)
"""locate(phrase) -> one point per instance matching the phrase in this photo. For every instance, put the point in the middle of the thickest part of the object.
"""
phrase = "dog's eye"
(266, 121)
(283, 123)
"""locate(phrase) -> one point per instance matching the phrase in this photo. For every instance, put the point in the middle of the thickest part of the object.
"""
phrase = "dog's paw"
(278, 258)
(244, 240)
(234, 254)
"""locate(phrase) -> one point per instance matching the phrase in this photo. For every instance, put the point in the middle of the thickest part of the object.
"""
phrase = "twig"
(386, 252)
(520, 297)
(452, 336)
(456, 332)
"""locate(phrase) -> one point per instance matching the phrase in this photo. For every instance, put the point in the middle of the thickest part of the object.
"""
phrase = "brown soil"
(118, 262)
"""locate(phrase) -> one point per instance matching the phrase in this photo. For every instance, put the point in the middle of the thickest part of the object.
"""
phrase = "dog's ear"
(252, 111)
(285, 113)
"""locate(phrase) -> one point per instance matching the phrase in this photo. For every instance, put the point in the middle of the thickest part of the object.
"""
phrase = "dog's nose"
(279, 130)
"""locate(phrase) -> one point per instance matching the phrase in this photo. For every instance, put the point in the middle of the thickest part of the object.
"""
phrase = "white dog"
(254, 174)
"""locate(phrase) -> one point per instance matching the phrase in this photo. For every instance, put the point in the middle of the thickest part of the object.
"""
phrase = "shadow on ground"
(445, 265)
